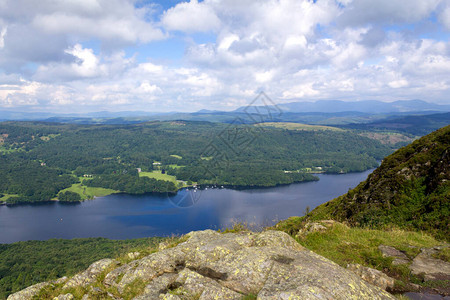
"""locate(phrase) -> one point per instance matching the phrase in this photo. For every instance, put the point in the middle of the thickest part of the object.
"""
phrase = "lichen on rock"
(210, 265)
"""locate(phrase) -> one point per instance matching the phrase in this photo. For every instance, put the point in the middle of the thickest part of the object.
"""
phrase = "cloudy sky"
(90, 55)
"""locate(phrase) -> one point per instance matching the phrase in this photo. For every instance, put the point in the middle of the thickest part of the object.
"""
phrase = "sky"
(80, 56)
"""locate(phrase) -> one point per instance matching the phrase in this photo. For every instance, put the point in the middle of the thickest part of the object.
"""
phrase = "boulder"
(29, 292)
(316, 226)
(399, 257)
(68, 296)
(133, 255)
(432, 268)
(372, 276)
(89, 276)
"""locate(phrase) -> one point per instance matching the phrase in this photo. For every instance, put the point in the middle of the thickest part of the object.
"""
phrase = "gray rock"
(372, 276)
(89, 276)
(432, 268)
(29, 292)
(164, 245)
(133, 255)
(60, 280)
(311, 227)
(210, 265)
(195, 285)
(64, 297)
(399, 257)
(310, 276)
(112, 277)
(147, 268)
(158, 286)
(169, 297)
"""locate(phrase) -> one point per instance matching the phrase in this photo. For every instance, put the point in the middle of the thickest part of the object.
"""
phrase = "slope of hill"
(411, 189)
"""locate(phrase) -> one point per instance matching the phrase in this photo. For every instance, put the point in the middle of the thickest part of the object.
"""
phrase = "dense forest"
(38, 161)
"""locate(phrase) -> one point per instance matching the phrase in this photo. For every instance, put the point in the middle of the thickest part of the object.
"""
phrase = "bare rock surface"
(90, 275)
(211, 265)
(399, 257)
(29, 292)
(432, 268)
(372, 276)
(67, 296)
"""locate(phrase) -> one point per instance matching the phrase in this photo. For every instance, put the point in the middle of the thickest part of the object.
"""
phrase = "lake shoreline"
(122, 216)
(198, 186)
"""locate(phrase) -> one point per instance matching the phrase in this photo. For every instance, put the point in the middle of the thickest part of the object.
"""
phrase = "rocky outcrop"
(431, 268)
(311, 227)
(33, 290)
(90, 275)
(210, 265)
(29, 292)
(399, 257)
(372, 276)
(67, 296)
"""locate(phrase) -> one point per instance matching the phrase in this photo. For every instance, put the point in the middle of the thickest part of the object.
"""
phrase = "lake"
(123, 216)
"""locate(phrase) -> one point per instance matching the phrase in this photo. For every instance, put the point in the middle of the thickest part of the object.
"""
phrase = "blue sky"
(91, 55)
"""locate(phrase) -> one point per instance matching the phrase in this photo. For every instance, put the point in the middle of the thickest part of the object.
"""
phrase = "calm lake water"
(123, 216)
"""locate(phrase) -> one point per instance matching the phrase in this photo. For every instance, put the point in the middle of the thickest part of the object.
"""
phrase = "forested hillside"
(411, 189)
(38, 160)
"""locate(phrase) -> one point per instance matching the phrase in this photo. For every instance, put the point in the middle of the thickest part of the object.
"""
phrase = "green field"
(89, 192)
(159, 176)
(5, 197)
(298, 126)
(48, 137)
(175, 166)
(176, 156)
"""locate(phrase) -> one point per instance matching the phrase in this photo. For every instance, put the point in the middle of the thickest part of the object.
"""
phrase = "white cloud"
(110, 29)
(291, 49)
(87, 65)
(41, 31)
(2, 37)
(191, 17)
(23, 93)
(147, 88)
(398, 83)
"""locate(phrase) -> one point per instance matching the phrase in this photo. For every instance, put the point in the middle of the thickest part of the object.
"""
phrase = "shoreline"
(198, 186)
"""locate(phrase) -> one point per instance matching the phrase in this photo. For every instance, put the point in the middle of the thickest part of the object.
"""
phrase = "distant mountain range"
(413, 124)
(366, 106)
(323, 112)
(21, 116)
